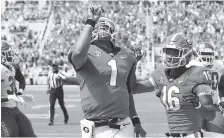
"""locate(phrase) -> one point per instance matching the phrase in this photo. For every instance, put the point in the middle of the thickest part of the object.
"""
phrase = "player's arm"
(221, 88)
(20, 78)
(130, 83)
(205, 106)
(145, 86)
(62, 76)
(139, 131)
(48, 81)
(221, 94)
(78, 53)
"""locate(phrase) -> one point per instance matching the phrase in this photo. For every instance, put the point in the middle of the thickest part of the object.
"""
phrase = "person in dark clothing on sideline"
(55, 89)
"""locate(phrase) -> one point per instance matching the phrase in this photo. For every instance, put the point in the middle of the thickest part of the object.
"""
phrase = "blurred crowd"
(139, 23)
(202, 21)
(24, 11)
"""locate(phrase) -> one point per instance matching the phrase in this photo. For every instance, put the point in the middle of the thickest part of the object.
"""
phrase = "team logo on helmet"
(189, 41)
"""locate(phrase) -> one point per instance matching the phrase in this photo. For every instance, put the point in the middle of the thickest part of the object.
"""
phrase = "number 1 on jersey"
(113, 78)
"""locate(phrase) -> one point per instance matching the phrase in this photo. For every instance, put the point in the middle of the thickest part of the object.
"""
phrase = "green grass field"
(148, 106)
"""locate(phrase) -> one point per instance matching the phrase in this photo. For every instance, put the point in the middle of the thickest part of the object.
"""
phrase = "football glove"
(192, 99)
(95, 12)
(221, 107)
(139, 53)
(15, 98)
(139, 131)
(20, 92)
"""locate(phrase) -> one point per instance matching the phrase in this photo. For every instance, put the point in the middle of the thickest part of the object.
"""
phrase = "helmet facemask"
(207, 57)
(104, 30)
(175, 57)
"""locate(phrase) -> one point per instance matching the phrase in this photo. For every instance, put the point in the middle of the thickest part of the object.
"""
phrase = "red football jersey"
(103, 78)
(217, 72)
(182, 117)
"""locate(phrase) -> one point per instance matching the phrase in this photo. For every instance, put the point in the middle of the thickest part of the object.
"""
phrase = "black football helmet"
(104, 30)
(177, 51)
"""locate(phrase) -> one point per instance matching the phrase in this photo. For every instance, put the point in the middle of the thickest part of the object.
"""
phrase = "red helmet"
(177, 51)
(206, 53)
(7, 53)
(104, 30)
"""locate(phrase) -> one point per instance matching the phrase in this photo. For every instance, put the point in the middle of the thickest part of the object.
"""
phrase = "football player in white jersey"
(13, 122)
(206, 55)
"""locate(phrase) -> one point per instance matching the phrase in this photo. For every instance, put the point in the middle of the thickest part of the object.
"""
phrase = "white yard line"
(56, 106)
(73, 96)
(72, 100)
(42, 116)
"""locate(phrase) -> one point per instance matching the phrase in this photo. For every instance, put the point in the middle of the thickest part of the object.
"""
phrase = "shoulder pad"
(130, 53)
(128, 50)
(201, 75)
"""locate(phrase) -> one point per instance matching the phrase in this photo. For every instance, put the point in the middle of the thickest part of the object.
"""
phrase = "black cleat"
(66, 121)
(51, 123)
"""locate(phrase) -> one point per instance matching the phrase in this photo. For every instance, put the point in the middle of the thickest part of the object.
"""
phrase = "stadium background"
(43, 31)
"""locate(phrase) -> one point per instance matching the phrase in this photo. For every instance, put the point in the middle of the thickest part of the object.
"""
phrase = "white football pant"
(127, 130)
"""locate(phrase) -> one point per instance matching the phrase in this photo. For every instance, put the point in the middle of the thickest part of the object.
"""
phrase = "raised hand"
(95, 13)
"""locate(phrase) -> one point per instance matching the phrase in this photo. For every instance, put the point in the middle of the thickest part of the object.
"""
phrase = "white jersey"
(8, 86)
